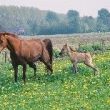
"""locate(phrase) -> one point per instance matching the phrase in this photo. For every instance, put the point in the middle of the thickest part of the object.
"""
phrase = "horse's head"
(3, 42)
(64, 49)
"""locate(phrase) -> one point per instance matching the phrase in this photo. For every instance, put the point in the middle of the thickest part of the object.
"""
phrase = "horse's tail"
(49, 47)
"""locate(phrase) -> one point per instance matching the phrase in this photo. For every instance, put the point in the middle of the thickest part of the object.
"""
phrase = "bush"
(86, 48)
(90, 48)
(96, 47)
(56, 53)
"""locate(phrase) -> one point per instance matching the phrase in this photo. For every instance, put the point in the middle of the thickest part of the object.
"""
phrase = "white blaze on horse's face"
(3, 42)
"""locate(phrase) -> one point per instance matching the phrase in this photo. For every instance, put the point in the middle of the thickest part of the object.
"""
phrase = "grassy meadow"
(63, 90)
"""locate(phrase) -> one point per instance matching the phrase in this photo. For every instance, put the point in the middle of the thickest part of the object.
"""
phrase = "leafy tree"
(73, 21)
(51, 16)
(103, 20)
(32, 21)
(88, 24)
(52, 22)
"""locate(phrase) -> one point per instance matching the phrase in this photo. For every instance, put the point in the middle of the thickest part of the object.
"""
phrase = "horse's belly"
(34, 58)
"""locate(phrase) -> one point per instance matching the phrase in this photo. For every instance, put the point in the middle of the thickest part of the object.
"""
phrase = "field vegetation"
(63, 90)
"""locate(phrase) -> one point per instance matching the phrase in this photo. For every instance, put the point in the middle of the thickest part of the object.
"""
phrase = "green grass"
(63, 90)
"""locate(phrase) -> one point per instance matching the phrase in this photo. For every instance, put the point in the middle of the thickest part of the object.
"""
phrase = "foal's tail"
(49, 47)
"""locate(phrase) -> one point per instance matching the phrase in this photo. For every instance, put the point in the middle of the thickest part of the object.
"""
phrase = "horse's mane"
(10, 34)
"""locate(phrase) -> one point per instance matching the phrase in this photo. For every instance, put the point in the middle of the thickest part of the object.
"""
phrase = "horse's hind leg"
(47, 69)
(48, 65)
(32, 65)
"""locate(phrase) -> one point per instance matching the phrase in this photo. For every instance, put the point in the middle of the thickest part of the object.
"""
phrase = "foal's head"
(3, 42)
(64, 49)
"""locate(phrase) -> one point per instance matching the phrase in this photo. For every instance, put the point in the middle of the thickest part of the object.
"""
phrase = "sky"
(84, 7)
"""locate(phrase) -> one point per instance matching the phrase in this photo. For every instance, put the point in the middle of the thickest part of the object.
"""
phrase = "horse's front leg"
(24, 73)
(15, 72)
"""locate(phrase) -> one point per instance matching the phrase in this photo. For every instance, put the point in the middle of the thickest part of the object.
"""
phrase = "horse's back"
(31, 48)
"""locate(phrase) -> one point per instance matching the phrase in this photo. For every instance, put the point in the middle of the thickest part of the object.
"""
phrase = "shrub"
(96, 47)
(86, 48)
(56, 53)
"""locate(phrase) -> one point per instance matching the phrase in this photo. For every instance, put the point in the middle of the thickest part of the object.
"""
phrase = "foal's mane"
(74, 50)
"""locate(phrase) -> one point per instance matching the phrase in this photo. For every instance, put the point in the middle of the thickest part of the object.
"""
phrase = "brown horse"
(23, 52)
(78, 57)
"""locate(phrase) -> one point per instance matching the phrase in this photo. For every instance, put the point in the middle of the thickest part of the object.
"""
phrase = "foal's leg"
(91, 66)
(75, 67)
(24, 73)
(32, 65)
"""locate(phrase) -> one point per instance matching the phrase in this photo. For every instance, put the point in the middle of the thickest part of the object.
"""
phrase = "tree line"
(32, 21)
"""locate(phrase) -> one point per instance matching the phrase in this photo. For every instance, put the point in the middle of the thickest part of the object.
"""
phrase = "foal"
(78, 57)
